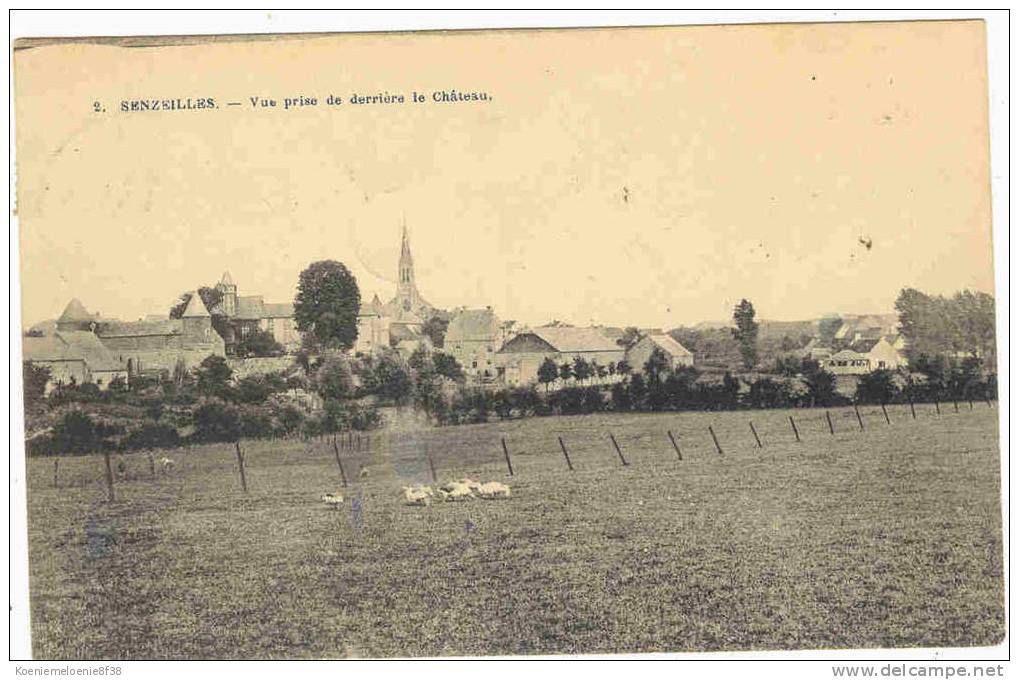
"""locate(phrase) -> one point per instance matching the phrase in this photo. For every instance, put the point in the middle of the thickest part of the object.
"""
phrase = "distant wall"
(258, 365)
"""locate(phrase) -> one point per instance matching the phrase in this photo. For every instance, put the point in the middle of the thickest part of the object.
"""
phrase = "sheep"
(470, 484)
(455, 491)
(493, 490)
(417, 495)
(333, 500)
(166, 463)
(363, 474)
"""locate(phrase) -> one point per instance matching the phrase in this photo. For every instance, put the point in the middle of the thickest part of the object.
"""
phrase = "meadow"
(889, 536)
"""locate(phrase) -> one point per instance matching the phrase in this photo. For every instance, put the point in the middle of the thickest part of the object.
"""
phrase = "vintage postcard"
(509, 343)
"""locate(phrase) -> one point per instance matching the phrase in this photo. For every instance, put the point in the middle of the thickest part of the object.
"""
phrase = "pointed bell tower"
(406, 288)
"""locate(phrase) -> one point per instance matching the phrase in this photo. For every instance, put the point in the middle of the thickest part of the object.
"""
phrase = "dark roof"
(250, 307)
(864, 346)
(128, 329)
(72, 346)
(473, 324)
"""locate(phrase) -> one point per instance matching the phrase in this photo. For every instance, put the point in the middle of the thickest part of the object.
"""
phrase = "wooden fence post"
(955, 403)
(240, 466)
(715, 439)
(756, 438)
(152, 463)
(970, 404)
(505, 452)
(109, 476)
(831, 428)
(431, 467)
(859, 419)
(339, 463)
(618, 450)
(675, 445)
(565, 454)
(795, 431)
(912, 409)
(56, 473)
(885, 411)
(937, 407)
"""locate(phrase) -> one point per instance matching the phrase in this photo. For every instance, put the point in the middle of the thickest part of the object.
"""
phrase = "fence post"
(56, 473)
(565, 454)
(937, 407)
(955, 403)
(831, 428)
(675, 445)
(970, 404)
(339, 463)
(756, 438)
(152, 463)
(109, 476)
(715, 439)
(505, 452)
(240, 466)
(431, 467)
(885, 411)
(795, 431)
(859, 419)
(912, 409)
(618, 450)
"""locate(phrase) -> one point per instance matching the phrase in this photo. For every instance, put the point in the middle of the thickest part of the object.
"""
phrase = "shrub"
(152, 435)
(254, 422)
(876, 387)
(216, 421)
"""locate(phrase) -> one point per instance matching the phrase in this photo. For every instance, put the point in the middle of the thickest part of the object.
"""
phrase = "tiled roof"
(195, 308)
(250, 307)
(473, 324)
(128, 329)
(570, 339)
(669, 345)
(72, 346)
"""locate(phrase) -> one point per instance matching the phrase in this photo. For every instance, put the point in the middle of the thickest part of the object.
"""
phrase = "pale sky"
(647, 177)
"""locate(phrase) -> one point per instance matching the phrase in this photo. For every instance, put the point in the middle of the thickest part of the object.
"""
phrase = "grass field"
(885, 537)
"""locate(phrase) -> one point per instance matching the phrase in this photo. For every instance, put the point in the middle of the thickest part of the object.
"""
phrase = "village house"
(73, 357)
(473, 338)
(372, 328)
(865, 356)
(165, 345)
(675, 354)
(250, 313)
(518, 360)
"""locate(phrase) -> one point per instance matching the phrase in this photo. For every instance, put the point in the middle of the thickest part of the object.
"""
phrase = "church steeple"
(406, 273)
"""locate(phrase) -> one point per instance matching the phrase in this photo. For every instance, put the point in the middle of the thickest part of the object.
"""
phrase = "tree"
(214, 376)
(216, 421)
(327, 304)
(581, 369)
(447, 366)
(435, 328)
(820, 383)
(36, 377)
(656, 365)
(876, 387)
(623, 367)
(259, 343)
(334, 379)
(745, 332)
(392, 378)
(548, 372)
(566, 371)
(76, 433)
(631, 334)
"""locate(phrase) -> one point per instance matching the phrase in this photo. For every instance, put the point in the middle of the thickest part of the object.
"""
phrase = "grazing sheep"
(333, 500)
(493, 490)
(417, 495)
(363, 474)
(166, 463)
(470, 484)
(455, 491)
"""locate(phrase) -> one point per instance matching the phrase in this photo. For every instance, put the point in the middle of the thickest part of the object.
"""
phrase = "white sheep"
(363, 474)
(333, 500)
(470, 484)
(417, 495)
(455, 491)
(493, 490)
(166, 463)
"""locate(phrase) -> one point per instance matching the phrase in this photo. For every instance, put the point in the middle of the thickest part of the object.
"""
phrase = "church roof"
(250, 307)
(75, 311)
(227, 279)
(195, 308)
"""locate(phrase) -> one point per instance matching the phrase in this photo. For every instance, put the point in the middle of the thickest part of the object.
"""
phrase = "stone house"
(518, 360)
(675, 353)
(73, 357)
(473, 338)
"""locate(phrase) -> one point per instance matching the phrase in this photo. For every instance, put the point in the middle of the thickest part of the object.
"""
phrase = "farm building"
(675, 353)
(372, 328)
(472, 338)
(518, 360)
(865, 356)
(73, 357)
(164, 345)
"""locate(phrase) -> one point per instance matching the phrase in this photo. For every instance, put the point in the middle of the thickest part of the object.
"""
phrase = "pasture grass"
(889, 537)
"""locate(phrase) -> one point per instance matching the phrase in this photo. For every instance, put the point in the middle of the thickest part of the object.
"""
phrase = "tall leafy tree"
(548, 372)
(327, 304)
(581, 368)
(745, 332)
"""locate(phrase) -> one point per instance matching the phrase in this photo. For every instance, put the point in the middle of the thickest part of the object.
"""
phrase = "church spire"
(406, 273)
